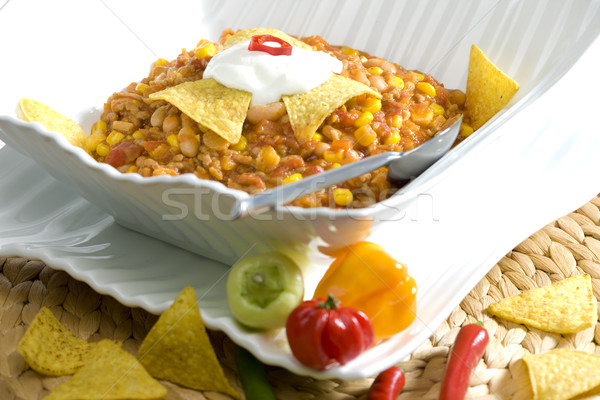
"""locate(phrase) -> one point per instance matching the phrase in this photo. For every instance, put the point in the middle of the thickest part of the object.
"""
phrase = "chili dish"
(398, 110)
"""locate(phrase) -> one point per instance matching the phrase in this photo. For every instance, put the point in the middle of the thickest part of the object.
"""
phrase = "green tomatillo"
(263, 290)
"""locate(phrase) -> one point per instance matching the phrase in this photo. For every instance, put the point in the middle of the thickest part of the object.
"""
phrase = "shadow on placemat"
(568, 246)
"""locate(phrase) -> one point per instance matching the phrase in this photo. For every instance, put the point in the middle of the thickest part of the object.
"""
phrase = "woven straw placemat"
(564, 248)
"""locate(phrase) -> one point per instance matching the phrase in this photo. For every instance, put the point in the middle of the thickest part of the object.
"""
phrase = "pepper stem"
(330, 304)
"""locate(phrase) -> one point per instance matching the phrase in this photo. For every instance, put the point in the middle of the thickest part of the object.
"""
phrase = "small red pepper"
(387, 385)
(321, 332)
(257, 44)
(468, 349)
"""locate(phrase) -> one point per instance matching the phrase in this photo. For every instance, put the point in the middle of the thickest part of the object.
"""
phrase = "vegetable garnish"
(257, 43)
(321, 332)
(387, 385)
(253, 376)
(263, 290)
(364, 276)
(468, 348)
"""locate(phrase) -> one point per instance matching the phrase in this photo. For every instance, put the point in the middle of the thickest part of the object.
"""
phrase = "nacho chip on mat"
(246, 34)
(177, 348)
(212, 105)
(34, 111)
(488, 88)
(110, 373)
(562, 374)
(50, 348)
(308, 110)
(566, 306)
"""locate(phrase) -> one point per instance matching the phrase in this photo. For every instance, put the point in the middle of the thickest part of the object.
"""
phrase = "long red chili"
(387, 385)
(257, 43)
(467, 351)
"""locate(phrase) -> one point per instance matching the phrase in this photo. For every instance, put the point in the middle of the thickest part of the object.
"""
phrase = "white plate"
(538, 165)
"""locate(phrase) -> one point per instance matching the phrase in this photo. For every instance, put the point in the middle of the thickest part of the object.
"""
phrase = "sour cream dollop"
(269, 77)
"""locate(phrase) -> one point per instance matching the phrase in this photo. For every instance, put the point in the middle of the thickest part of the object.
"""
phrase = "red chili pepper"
(257, 44)
(321, 332)
(387, 385)
(467, 351)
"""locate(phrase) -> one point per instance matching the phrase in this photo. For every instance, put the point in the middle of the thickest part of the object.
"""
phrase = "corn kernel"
(161, 62)
(437, 109)
(114, 137)
(92, 141)
(102, 149)
(132, 169)
(419, 76)
(394, 138)
(138, 135)
(291, 178)
(333, 156)
(397, 121)
(394, 80)
(364, 119)
(205, 50)
(422, 119)
(173, 141)
(240, 145)
(371, 104)
(426, 88)
(465, 130)
(375, 70)
(141, 87)
(317, 137)
(365, 135)
(336, 165)
(99, 127)
(342, 196)
(349, 51)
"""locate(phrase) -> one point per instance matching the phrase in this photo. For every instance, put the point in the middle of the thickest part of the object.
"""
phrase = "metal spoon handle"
(286, 193)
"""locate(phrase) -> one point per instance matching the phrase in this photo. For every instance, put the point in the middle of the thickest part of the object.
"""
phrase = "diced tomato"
(250, 179)
(151, 145)
(124, 153)
(160, 150)
(313, 169)
(341, 144)
(287, 165)
(346, 118)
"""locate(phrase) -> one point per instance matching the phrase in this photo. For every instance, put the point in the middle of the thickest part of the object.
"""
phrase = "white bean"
(271, 112)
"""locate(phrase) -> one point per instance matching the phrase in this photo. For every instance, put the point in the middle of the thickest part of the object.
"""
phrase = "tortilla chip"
(109, 373)
(34, 111)
(562, 373)
(49, 348)
(488, 88)
(567, 306)
(212, 105)
(246, 34)
(178, 349)
(308, 110)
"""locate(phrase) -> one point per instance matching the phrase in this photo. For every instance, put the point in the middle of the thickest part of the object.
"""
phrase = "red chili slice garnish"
(257, 44)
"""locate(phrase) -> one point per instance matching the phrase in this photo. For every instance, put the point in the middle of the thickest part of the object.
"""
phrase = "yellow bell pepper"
(364, 276)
